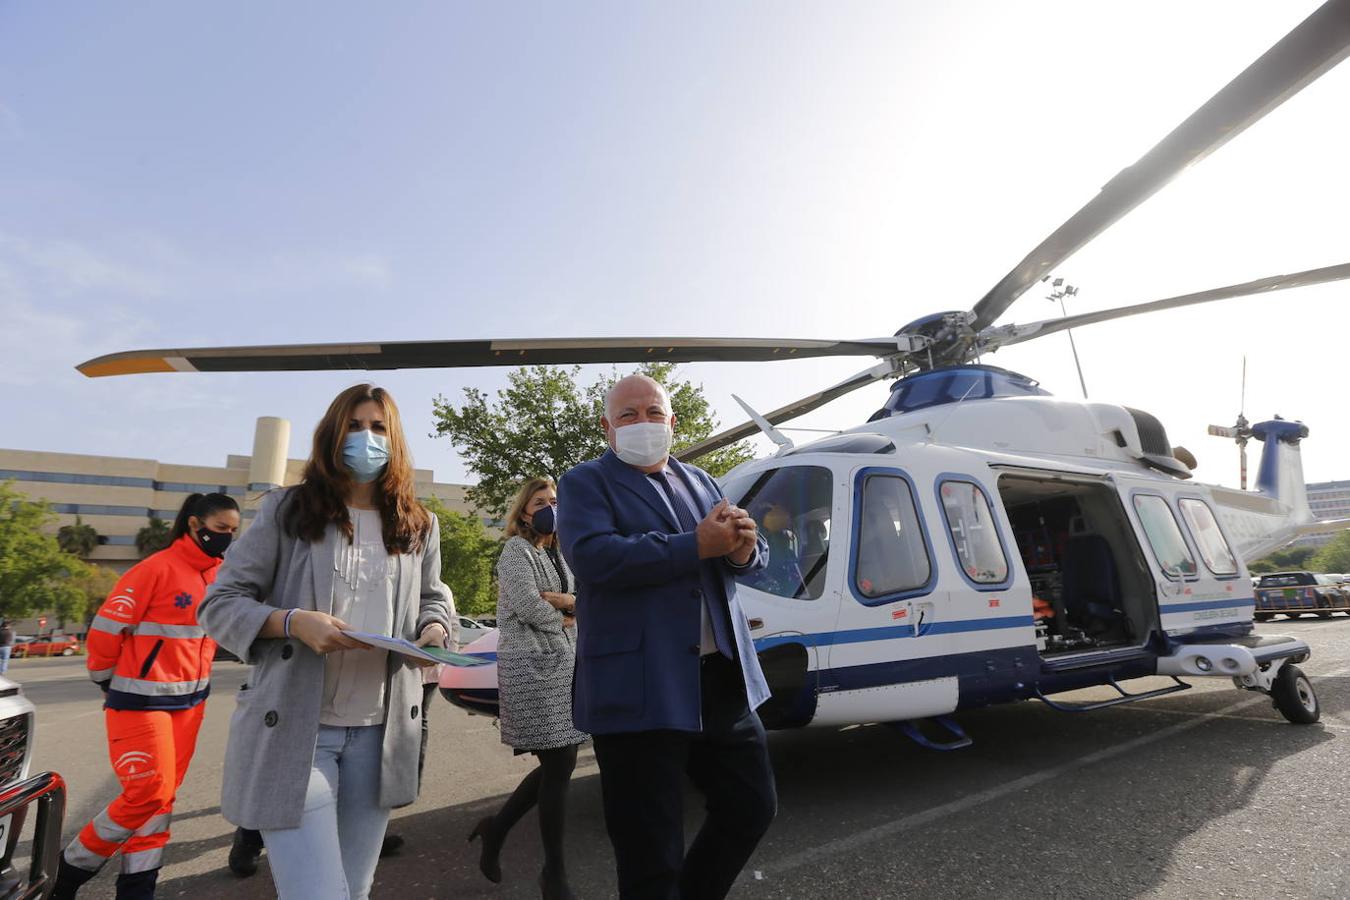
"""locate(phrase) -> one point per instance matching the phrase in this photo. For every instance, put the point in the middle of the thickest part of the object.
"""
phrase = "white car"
(470, 630)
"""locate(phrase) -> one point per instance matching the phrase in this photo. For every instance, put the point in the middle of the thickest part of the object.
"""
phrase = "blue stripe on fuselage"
(892, 632)
(1169, 608)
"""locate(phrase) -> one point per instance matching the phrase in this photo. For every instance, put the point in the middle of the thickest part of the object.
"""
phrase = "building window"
(1213, 548)
(892, 552)
(1164, 536)
(72, 478)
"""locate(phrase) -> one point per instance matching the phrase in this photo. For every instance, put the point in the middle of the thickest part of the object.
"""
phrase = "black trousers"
(642, 780)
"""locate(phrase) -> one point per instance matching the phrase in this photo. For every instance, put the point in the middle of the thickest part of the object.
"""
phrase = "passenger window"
(792, 507)
(892, 553)
(1213, 548)
(970, 521)
(1164, 535)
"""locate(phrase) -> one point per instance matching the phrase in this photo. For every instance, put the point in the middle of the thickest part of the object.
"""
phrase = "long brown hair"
(515, 521)
(321, 497)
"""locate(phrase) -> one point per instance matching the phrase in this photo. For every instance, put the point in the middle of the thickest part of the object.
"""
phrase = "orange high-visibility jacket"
(145, 646)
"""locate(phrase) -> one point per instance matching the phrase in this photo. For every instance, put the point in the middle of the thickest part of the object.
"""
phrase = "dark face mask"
(545, 520)
(214, 543)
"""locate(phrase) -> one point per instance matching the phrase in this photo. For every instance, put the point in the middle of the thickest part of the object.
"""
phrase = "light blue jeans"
(334, 852)
(4, 659)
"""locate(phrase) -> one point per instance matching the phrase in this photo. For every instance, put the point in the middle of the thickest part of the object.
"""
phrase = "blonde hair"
(514, 516)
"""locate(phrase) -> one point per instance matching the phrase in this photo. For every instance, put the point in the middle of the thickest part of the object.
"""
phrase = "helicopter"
(977, 540)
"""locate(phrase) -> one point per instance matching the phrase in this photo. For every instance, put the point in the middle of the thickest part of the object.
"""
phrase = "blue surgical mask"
(366, 454)
(544, 520)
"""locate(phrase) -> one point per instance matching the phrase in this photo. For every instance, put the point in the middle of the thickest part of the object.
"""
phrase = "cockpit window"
(892, 553)
(1164, 536)
(970, 521)
(1214, 549)
(792, 506)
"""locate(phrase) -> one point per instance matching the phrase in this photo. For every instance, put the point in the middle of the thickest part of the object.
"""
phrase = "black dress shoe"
(393, 843)
(488, 862)
(244, 852)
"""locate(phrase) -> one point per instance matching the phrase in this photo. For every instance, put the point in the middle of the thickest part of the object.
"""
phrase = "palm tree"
(153, 537)
(78, 539)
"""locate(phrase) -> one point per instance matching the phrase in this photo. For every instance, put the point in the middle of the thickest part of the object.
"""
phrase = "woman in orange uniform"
(153, 661)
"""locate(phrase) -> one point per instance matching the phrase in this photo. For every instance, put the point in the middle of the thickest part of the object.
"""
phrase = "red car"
(59, 645)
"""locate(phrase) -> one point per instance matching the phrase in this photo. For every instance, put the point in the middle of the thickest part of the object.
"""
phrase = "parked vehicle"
(18, 793)
(471, 630)
(1296, 593)
(52, 645)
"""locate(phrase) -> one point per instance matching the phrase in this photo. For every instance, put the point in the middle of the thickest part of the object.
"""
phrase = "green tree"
(544, 423)
(34, 570)
(1333, 557)
(1291, 559)
(93, 585)
(468, 560)
(153, 537)
(78, 539)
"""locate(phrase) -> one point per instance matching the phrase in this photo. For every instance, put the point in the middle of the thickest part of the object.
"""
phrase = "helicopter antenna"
(1058, 291)
(932, 432)
(783, 441)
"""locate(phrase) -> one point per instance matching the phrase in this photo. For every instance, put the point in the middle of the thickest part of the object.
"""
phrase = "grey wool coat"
(270, 749)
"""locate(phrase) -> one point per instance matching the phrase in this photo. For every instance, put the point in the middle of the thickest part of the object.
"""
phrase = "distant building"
(1328, 500)
(118, 495)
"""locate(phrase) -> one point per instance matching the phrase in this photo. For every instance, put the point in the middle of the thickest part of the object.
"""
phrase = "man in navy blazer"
(667, 680)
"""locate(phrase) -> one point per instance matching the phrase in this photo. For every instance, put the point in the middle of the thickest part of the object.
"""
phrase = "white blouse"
(364, 581)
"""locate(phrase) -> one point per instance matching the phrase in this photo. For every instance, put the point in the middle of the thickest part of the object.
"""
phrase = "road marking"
(1335, 726)
(821, 852)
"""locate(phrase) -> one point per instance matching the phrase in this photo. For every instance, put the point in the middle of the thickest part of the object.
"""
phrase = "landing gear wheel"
(1263, 617)
(1294, 696)
(1324, 614)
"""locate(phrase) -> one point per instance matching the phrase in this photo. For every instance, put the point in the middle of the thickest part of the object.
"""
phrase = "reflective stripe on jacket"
(145, 644)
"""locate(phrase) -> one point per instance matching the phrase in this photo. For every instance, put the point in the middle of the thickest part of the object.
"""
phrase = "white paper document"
(408, 648)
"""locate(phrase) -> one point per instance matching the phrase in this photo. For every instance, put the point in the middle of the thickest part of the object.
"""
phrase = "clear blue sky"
(187, 175)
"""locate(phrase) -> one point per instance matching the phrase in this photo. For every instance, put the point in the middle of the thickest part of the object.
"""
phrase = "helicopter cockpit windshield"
(952, 384)
(791, 505)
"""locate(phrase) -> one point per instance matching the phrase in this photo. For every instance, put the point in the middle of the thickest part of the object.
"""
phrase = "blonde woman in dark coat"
(536, 648)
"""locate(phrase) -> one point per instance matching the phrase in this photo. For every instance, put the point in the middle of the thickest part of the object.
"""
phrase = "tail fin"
(1281, 474)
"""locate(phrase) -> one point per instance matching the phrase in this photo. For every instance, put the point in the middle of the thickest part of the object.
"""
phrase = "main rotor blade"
(453, 354)
(1314, 46)
(1016, 334)
(791, 411)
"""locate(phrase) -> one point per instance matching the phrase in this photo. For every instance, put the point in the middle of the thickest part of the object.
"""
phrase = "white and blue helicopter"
(977, 541)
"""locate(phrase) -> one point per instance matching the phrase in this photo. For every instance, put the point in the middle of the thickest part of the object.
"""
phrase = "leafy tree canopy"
(1335, 556)
(468, 560)
(544, 423)
(78, 539)
(34, 571)
(154, 537)
(1291, 559)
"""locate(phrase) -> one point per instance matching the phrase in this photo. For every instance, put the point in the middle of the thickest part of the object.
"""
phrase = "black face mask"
(545, 520)
(214, 543)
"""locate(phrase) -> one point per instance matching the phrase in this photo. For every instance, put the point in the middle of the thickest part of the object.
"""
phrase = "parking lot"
(1208, 793)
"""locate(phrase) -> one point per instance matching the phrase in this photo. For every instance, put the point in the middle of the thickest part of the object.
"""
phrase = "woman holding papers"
(536, 646)
(324, 740)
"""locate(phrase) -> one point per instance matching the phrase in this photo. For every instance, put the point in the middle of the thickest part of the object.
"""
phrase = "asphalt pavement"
(1207, 793)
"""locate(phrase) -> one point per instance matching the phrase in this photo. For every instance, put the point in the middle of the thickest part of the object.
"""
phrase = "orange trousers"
(150, 752)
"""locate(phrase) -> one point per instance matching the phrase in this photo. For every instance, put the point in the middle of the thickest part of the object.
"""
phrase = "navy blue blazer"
(640, 588)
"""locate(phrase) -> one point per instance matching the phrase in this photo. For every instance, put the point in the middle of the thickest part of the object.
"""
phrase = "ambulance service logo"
(122, 606)
(135, 764)
(183, 600)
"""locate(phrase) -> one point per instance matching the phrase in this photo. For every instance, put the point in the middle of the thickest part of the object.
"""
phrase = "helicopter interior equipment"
(978, 541)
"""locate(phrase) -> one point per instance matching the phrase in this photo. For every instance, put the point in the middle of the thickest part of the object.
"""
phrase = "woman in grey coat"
(536, 648)
(324, 739)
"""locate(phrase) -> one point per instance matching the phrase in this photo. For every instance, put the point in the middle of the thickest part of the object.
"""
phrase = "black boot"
(69, 879)
(244, 853)
(137, 885)
(488, 862)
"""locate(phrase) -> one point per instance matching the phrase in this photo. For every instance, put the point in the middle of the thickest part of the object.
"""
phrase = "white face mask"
(642, 443)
